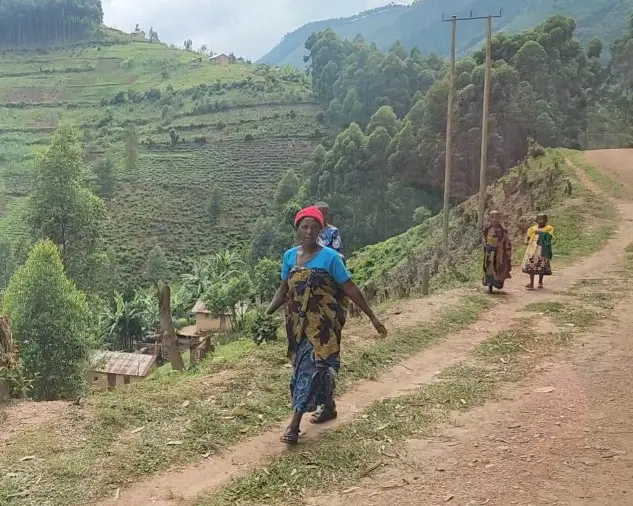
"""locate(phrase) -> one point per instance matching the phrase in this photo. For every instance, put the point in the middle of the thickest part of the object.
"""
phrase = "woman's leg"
(540, 280)
(300, 385)
(531, 285)
(291, 436)
(325, 383)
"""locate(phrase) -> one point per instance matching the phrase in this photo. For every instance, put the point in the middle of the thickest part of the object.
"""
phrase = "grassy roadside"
(350, 453)
(176, 418)
(582, 221)
(346, 455)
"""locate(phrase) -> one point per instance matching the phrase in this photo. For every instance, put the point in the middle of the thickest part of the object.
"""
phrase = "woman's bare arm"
(357, 297)
(279, 298)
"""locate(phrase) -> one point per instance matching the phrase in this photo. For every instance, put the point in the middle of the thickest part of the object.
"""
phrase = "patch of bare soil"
(617, 162)
(401, 314)
(17, 416)
(187, 483)
(29, 94)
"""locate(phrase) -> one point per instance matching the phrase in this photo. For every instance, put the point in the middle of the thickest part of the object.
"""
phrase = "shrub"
(534, 149)
(421, 214)
(50, 320)
(153, 94)
(262, 327)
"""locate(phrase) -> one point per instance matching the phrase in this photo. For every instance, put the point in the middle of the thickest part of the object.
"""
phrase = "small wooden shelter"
(111, 369)
(206, 322)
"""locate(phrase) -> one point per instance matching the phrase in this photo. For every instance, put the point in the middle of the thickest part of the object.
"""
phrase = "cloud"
(248, 28)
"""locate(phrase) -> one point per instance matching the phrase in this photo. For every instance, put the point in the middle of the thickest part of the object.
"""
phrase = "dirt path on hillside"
(572, 445)
(617, 162)
(19, 416)
(180, 487)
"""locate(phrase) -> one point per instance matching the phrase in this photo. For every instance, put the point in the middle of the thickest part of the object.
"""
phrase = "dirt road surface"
(568, 446)
(562, 438)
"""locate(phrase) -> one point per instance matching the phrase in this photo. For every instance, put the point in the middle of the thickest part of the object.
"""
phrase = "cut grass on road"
(350, 453)
(176, 418)
(344, 456)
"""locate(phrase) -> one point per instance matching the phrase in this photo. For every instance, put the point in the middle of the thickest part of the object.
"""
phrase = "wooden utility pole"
(449, 133)
(483, 167)
(425, 279)
(449, 123)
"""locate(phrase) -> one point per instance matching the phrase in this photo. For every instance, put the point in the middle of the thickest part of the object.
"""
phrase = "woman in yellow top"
(539, 251)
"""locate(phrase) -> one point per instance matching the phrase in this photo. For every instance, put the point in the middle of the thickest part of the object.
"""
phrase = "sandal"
(323, 415)
(291, 436)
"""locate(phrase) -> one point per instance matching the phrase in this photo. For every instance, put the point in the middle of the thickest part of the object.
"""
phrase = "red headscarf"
(310, 212)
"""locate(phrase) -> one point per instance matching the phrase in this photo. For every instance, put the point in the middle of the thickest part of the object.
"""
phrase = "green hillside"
(393, 268)
(420, 24)
(238, 128)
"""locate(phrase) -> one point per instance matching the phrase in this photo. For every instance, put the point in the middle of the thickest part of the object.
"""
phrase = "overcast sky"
(248, 28)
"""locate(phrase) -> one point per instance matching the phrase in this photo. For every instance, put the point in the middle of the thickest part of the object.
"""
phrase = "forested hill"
(420, 24)
(291, 50)
(48, 21)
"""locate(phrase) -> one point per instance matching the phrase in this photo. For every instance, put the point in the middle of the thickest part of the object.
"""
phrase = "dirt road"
(570, 446)
(511, 476)
(562, 438)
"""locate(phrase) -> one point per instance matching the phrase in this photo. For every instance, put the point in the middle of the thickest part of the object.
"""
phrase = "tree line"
(387, 164)
(47, 21)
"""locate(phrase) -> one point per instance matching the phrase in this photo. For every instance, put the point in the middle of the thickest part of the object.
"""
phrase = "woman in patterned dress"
(314, 285)
(538, 256)
(497, 253)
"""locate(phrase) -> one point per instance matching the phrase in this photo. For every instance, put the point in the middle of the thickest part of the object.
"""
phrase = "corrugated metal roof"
(118, 362)
(190, 331)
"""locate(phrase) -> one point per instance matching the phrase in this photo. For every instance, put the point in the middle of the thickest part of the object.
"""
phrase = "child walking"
(538, 256)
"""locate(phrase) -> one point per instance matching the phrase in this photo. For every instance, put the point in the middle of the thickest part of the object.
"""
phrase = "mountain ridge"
(420, 24)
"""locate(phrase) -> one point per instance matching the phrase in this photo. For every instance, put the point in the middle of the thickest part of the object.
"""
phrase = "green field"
(239, 128)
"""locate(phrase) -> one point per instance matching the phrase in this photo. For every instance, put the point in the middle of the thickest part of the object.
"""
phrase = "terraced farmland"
(239, 126)
(166, 201)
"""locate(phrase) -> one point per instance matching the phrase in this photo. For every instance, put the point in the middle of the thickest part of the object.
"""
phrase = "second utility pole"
(449, 125)
(483, 167)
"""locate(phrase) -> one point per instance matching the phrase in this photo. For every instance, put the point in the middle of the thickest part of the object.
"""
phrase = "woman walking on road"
(497, 253)
(314, 285)
(538, 255)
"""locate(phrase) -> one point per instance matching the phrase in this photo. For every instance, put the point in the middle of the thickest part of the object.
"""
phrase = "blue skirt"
(313, 381)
